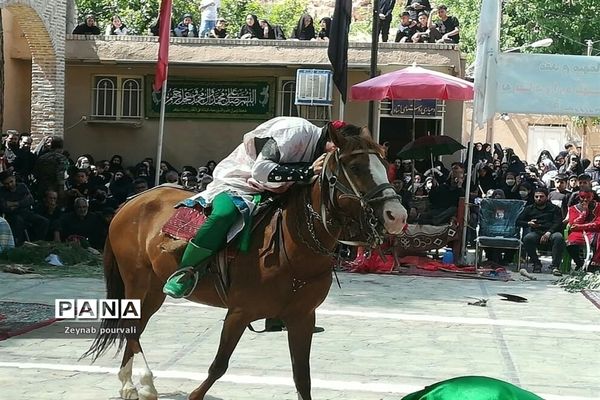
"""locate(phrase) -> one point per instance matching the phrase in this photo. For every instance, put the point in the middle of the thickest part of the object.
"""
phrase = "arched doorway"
(42, 25)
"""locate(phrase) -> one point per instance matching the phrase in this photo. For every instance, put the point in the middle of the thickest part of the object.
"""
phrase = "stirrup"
(183, 271)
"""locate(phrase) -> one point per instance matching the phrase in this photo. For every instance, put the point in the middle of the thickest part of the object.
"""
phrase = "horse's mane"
(361, 142)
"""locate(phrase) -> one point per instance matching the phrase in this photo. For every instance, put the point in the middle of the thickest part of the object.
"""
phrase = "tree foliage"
(568, 22)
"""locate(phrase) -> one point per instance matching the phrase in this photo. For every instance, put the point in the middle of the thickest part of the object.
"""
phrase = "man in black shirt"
(88, 27)
(50, 210)
(15, 203)
(81, 224)
(594, 170)
(421, 29)
(446, 30)
(558, 195)
(544, 221)
(406, 29)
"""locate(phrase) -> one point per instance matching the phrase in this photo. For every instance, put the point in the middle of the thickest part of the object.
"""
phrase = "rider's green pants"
(212, 235)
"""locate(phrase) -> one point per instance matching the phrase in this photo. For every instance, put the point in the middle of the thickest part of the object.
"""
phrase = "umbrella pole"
(414, 136)
(469, 162)
(432, 163)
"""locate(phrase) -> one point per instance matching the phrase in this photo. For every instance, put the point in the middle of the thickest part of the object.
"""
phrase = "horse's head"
(355, 178)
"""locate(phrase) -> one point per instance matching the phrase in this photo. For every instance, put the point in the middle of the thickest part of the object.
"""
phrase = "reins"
(330, 179)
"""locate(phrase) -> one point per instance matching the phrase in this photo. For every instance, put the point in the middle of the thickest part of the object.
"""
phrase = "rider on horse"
(271, 158)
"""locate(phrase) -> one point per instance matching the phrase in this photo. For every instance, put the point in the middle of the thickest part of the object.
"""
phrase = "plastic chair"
(498, 228)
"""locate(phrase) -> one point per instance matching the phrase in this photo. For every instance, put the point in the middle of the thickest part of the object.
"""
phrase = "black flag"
(338, 44)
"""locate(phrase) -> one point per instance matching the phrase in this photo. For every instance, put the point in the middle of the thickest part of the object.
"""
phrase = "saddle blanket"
(184, 223)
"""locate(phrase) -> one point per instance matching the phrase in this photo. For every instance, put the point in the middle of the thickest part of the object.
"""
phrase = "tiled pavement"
(384, 336)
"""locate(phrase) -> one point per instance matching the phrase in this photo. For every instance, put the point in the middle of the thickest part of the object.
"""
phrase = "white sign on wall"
(548, 84)
(314, 87)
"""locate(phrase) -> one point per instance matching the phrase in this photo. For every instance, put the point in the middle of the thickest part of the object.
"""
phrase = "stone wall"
(43, 24)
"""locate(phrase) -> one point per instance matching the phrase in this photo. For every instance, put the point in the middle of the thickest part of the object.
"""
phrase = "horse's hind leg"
(128, 390)
(151, 302)
(233, 327)
(300, 331)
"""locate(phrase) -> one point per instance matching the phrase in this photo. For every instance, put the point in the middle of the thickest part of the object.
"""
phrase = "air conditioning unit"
(314, 87)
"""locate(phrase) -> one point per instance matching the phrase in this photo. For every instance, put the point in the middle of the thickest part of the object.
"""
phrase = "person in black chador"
(89, 27)
(305, 30)
(251, 29)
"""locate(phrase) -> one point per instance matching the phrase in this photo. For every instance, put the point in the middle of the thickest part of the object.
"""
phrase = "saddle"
(185, 222)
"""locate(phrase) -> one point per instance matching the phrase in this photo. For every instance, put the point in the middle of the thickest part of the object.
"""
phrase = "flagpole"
(161, 130)
(374, 57)
(469, 162)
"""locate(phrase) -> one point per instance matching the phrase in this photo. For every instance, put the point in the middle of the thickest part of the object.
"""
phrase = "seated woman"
(305, 30)
(584, 218)
(251, 29)
(116, 27)
(325, 24)
(271, 32)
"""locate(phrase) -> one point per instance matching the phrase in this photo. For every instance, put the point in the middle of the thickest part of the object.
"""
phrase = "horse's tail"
(115, 289)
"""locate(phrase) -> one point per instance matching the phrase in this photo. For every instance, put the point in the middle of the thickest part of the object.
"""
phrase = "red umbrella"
(413, 83)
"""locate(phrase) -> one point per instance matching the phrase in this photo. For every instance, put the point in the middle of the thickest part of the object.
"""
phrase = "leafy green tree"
(568, 22)
(287, 13)
(136, 14)
(235, 12)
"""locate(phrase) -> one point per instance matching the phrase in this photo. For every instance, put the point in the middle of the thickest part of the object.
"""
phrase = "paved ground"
(384, 337)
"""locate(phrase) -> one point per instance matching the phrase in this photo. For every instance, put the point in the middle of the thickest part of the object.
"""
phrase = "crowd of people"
(217, 28)
(419, 23)
(47, 195)
(560, 193)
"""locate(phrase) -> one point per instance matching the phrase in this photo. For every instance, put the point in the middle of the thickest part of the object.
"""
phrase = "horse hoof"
(196, 395)
(146, 394)
(129, 392)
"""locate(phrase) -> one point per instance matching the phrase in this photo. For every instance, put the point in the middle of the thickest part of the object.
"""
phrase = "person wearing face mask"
(525, 190)
(572, 165)
(510, 186)
(544, 222)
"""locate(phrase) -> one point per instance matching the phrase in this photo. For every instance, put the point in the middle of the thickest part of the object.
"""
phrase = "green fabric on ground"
(472, 388)
(565, 265)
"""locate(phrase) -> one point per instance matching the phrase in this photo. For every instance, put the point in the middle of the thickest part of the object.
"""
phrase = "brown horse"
(286, 273)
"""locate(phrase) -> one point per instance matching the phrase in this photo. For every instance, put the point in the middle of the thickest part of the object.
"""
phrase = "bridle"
(331, 179)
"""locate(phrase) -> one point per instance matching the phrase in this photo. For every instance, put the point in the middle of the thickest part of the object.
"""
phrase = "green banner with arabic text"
(254, 99)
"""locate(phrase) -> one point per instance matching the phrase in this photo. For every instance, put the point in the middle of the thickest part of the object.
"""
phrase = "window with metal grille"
(287, 108)
(117, 98)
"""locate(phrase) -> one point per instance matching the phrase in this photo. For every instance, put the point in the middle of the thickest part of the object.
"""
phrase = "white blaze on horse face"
(394, 213)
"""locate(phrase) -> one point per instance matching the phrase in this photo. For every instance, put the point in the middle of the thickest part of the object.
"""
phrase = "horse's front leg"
(233, 327)
(300, 331)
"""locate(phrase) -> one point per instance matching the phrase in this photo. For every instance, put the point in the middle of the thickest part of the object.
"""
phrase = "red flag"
(164, 35)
